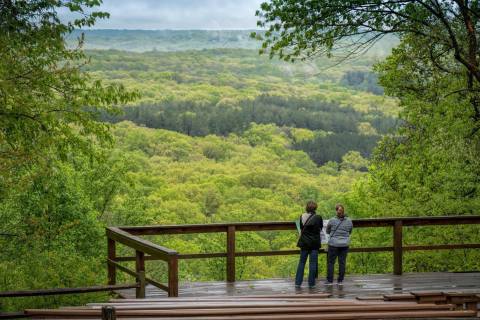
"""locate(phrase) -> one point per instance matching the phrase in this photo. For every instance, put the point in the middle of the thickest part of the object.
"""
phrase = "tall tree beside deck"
(48, 105)
(54, 187)
(431, 163)
(447, 29)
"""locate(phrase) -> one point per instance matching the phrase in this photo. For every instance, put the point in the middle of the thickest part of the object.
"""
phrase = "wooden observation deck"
(146, 250)
(374, 296)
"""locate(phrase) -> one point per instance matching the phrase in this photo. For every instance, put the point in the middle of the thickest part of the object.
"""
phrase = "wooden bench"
(275, 307)
(469, 300)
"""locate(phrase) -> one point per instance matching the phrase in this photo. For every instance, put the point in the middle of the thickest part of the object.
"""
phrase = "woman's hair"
(311, 207)
(338, 205)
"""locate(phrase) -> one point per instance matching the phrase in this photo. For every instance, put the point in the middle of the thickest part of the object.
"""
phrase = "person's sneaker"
(340, 283)
(298, 286)
(328, 283)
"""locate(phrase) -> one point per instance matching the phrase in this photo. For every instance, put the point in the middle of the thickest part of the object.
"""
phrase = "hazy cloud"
(179, 14)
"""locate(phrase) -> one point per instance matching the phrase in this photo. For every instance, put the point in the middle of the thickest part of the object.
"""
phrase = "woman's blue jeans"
(312, 267)
(333, 253)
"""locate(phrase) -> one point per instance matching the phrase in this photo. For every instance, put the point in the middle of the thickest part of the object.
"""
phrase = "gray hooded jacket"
(339, 231)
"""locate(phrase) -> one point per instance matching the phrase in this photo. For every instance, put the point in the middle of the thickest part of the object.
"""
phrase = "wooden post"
(108, 313)
(173, 276)
(140, 291)
(397, 247)
(112, 269)
(231, 254)
(140, 270)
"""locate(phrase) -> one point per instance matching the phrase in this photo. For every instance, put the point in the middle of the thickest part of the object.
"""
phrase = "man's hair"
(338, 205)
(311, 206)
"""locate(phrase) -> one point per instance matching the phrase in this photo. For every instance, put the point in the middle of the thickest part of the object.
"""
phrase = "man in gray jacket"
(339, 228)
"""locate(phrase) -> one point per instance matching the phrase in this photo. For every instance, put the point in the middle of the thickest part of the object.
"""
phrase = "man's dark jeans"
(333, 253)
(312, 267)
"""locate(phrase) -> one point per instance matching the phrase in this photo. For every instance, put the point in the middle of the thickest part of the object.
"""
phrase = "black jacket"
(310, 237)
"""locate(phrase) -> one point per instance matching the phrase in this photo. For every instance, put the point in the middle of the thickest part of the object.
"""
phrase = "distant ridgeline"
(178, 40)
(166, 40)
(202, 82)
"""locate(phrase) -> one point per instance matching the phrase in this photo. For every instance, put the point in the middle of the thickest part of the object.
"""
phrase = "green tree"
(51, 149)
(447, 31)
(431, 164)
(49, 106)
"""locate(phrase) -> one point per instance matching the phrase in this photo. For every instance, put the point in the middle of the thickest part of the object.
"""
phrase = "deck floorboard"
(354, 286)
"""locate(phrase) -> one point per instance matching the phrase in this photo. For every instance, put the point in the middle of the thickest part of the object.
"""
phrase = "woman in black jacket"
(309, 244)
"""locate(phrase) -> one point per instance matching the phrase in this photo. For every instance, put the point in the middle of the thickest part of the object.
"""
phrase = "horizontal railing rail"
(146, 250)
(289, 225)
(141, 247)
(62, 291)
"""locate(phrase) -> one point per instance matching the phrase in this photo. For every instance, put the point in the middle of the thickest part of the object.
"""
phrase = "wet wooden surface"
(354, 286)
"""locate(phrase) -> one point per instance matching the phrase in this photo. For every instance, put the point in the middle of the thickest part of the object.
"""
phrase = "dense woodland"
(197, 127)
(223, 91)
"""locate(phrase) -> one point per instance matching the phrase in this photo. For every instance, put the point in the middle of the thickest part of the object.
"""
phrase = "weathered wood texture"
(300, 306)
(60, 291)
(354, 286)
(129, 236)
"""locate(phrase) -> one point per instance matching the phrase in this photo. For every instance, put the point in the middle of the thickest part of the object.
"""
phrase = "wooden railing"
(146, 250)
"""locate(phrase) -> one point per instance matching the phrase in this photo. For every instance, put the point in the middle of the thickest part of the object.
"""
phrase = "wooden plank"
(443, 246)
(296, 251)
(266, 296)
(232, 304)
(370, 298)
(288, 225)
(286, 316)
(176, 229)
(231, 254)
(399, 297)
(276, 310)
(13, 315)
(122, 268)
(202, 255)
(59, 291)
(305, 306)
(221, 310)
(239, 226)
(184, 256)
(140, 244)
(370, 249)
(472, 295)
(426, 293)
(443, 220)
(156, 284)
(397, 247)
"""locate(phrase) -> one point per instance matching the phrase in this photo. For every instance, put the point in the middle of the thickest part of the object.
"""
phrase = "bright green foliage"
(48, 105)
(53, 231)
(432, 164)
(54, 187)
(223, 91)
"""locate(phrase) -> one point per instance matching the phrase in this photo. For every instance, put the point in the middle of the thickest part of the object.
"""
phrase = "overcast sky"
(179, 14)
